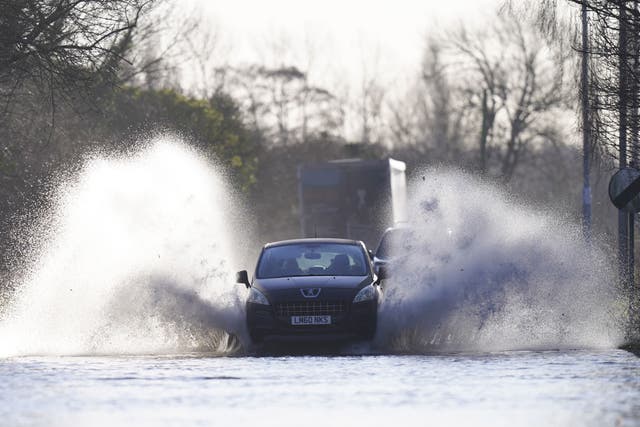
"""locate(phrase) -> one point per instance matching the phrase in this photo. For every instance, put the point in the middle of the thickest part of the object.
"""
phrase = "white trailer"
(352, 198)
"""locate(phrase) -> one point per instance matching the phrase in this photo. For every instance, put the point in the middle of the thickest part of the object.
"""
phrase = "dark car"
(312, 289)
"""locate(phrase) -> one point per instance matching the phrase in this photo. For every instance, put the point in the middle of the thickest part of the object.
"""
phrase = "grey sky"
(344, 36)
(340, 43)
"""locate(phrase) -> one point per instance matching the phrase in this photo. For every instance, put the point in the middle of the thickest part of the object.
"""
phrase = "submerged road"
(547, 388)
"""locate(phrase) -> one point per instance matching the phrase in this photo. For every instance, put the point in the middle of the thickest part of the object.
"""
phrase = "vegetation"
(213, 125)
(80, 76)
(611, 106)
(71, 82)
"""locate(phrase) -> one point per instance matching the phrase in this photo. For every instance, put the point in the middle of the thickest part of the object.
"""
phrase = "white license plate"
(310, 320)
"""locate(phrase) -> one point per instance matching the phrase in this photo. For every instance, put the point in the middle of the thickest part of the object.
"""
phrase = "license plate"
(310, 320)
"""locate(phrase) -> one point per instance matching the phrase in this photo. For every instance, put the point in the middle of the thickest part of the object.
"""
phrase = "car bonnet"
(338, 282)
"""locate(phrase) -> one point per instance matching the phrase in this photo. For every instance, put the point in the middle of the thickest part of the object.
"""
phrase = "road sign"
(624, 189)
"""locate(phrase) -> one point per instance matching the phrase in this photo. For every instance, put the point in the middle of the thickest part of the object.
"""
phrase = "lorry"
(352, 198)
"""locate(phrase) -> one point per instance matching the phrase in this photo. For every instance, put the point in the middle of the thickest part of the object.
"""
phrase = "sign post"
(624, 192)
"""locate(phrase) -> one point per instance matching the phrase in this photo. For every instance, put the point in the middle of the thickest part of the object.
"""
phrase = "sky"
(336, 40)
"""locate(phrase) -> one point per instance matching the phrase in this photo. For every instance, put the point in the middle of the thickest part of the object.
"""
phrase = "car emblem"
(310, 292)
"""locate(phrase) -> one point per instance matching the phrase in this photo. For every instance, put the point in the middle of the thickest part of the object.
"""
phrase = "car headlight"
(257, 297)
(368, 293)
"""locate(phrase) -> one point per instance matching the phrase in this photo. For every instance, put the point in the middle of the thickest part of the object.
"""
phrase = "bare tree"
(205, 54)
(369, 102)
(62, 46)
(284, 105)
(516, 79)
(157, 48)
(432, 118)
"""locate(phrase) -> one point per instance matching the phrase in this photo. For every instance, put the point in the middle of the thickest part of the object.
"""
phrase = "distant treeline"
(81, 77)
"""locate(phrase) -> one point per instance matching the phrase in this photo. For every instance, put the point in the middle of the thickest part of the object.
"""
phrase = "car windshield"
(395, 242)
(312, 259)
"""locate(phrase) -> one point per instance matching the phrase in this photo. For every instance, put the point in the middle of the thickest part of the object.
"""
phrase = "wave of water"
(137, 251)
(483, 273)
(134, 257)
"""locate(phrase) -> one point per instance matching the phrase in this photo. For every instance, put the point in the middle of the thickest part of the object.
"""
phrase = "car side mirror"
(371, 254)
(243, 277)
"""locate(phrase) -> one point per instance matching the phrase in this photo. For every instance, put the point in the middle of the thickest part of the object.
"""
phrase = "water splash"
(135, 258)
(482, 273)
(136, 254)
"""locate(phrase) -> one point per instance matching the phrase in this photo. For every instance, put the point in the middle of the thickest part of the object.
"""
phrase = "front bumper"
(269, 323)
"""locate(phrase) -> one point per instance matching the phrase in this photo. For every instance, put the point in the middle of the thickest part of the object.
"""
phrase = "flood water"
(137, 254)
(588, 388)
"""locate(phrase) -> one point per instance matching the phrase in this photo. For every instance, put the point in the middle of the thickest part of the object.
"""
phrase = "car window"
(314, 259)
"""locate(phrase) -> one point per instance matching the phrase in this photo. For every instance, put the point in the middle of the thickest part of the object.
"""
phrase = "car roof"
(314, 240)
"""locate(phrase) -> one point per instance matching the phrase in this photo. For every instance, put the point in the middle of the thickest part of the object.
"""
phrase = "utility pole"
(586, 128)
(634, 132)
(625, 220)
(635, 120)
(484, 134)
(635, 158)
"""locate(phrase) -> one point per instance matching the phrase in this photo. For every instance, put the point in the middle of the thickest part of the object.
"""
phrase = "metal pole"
(624, 256)
(586, 128)
(635, 162)
(635, 122)
(631, 255)
(634, 138)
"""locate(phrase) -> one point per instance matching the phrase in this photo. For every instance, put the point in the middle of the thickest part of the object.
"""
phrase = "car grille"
(311, 308)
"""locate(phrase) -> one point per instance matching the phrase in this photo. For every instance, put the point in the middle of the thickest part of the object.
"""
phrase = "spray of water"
(136, 252)
(134, 257)
(482, 273)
